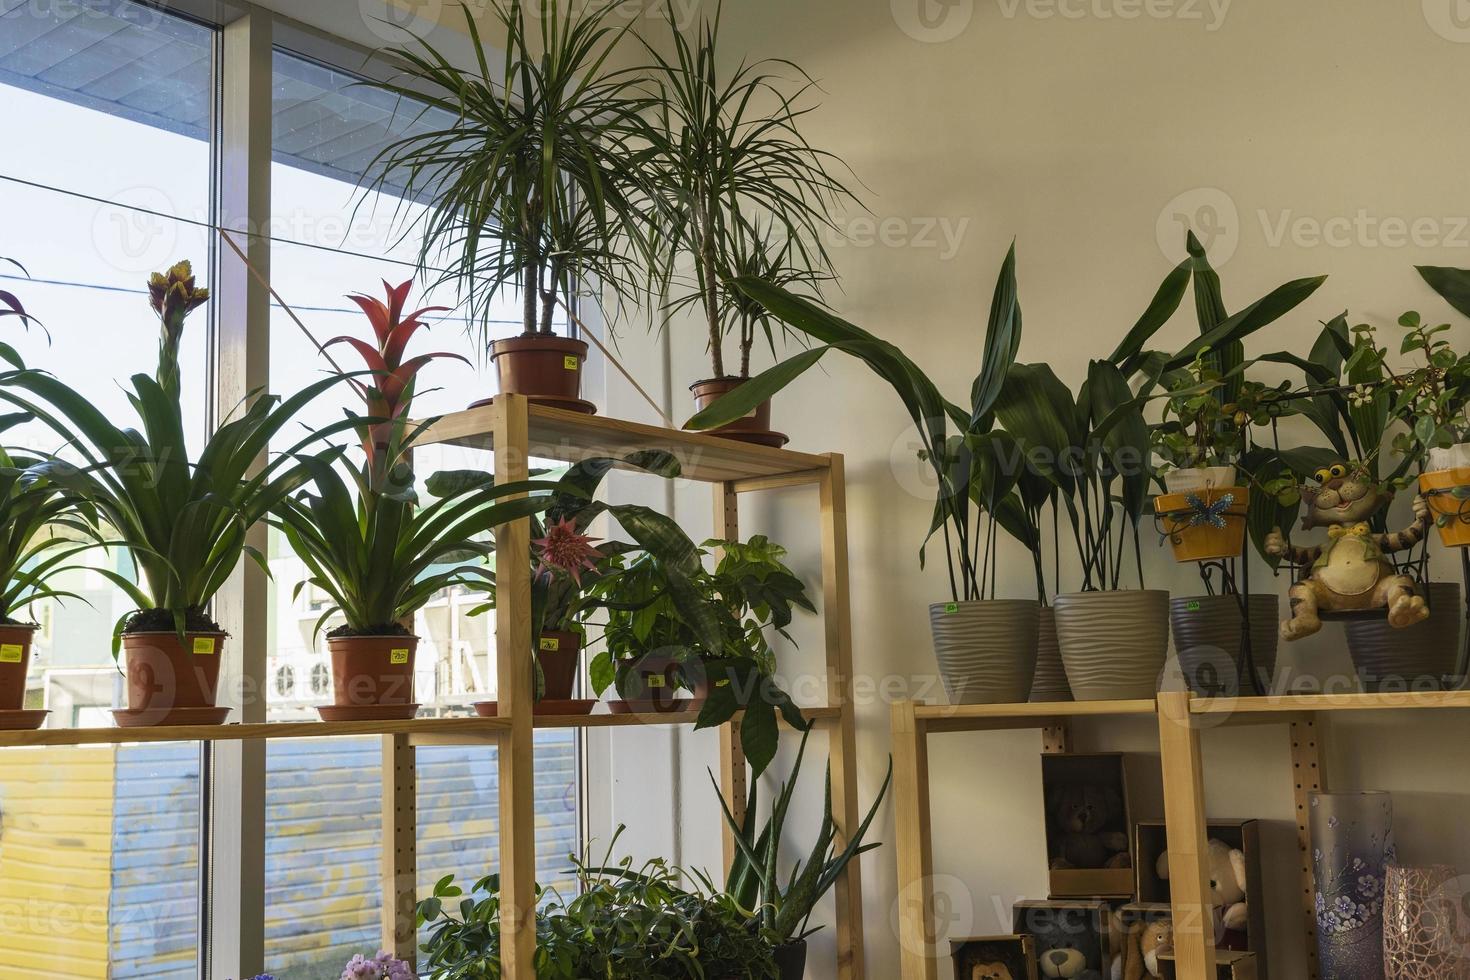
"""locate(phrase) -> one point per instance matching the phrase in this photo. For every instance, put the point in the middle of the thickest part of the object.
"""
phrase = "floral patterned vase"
(1352, 847)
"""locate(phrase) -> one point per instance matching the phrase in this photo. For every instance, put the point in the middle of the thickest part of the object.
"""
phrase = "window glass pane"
(99, 845)
(325, 131)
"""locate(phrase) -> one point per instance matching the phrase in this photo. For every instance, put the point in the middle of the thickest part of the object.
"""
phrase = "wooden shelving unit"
(1182, 720)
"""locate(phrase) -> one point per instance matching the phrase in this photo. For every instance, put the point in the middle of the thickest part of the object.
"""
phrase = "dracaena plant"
(729, 154)
(361, 531)
(532, 182)
(183, 521)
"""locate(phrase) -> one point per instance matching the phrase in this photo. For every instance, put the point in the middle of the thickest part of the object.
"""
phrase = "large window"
(99, 845)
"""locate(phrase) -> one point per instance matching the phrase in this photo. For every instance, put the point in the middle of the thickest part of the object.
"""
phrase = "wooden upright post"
(733, 776)
(913, 843)
(1184, 819)
(842, 752)
(399, 861)
(1307, 778)
(516, 758)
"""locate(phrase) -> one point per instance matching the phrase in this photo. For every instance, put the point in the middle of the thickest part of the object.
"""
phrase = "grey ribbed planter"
(1206, 631)
(1114, 644)
(1415, 658)
(1051, 677)
(986, 650)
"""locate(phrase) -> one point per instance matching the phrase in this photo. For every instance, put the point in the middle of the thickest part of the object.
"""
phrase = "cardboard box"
(1084, 784)
(1230, 964)
(979, 957)
(1072, 935)
(1150, 840)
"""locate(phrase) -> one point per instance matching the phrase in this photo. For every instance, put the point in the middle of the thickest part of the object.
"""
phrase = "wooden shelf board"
(608, 720)
(466, 727)
(1034, 714)
(1302, 703)
(571, 436)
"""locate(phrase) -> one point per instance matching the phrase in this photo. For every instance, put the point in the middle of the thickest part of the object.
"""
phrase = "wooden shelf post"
(1184, 818)
(1307, 778)
(734, 785)
(399, 860)
(913, 843)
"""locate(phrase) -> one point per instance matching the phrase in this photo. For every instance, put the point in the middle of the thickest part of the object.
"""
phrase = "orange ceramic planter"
(1451, 514)
(1203, 541)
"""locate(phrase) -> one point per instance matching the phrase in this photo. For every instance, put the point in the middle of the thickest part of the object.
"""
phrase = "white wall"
(1309, 137)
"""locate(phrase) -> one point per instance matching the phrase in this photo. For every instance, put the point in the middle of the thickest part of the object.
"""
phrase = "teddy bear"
(1068, 946)
(990, 971)
(1146, 940)
(1083, 818)
(1226, 866)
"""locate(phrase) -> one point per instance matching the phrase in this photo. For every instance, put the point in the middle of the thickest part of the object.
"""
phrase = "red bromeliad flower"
(388, 395)
(566, 549)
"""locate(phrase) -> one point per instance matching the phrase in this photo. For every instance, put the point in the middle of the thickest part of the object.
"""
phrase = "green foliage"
(754, 880)
(1196, 430)
(534, 183)
(42, 526)
(1433, 396)
(705, 623)
(623, 924)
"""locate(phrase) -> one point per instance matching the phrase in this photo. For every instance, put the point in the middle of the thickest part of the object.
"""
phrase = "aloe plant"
(754, 881)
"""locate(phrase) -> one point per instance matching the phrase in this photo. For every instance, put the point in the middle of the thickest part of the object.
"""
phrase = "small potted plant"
(533, 193)
(370, 546)
(184, 522)
(737, 191)
(784, 908)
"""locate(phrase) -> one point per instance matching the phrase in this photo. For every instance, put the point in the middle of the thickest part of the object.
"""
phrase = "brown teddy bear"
(1085, 828)
(1146, 940)
(990, 971)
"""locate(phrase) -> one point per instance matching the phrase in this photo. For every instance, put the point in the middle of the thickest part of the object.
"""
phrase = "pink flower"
(381, 967)
(566, 549)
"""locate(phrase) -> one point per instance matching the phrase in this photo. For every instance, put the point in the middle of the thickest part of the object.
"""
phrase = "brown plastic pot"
(659, 684)
(558, 655)
(540, 366)
(708, 391)
(368, 670)
(15, 662)
(164, 673)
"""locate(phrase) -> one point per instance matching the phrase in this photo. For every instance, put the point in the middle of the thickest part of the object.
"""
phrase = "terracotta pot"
(164, 673)
(708, 391)
(986, 649)
(1195, 539)
(540, 366)
(1050, 682)
(1207, 641)
(1114, 644)
(370, 670)
(1451, 513)
(1414, 658)
(15, 662)
(558, 656)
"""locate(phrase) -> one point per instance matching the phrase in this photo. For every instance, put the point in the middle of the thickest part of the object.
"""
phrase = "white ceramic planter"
(1451, 458)
(1199, 478)
(986, 650)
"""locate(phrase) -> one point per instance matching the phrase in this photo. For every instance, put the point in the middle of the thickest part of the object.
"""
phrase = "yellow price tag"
(655, 680)
(399, 656)
(203, 646)
(571, 362)
(11, 653)
(550, 643)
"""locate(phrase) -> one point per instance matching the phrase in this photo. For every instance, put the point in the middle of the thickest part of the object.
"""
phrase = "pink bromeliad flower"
(566, 549)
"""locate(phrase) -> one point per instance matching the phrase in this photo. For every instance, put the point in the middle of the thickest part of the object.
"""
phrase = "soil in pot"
(1415, 658)
(791, 959)
(15, 662)
(543, 367)
(1204, 525)
(755, 427)
(1451, 513)
(558, 654)
(165, 673)
(987, 649)
(1207, 641)
(1114, 644)
(372, 670)
(1050, 683)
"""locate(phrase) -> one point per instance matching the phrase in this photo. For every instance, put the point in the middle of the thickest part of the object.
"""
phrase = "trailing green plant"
(534, 184)
(1196, 429)
(184, 522)
(42, 526)
(649, 623)
(754, 879)
(367, 540)
(1432, 396)
(729, 152)
(623, 923)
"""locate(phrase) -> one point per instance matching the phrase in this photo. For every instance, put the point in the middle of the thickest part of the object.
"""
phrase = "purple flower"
(380, 967)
